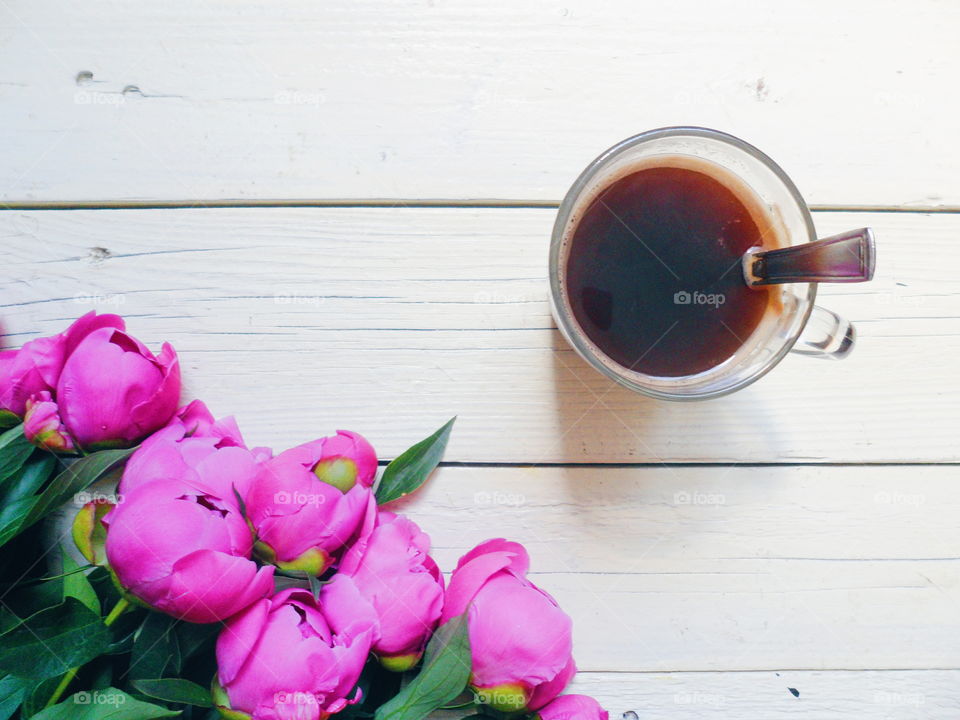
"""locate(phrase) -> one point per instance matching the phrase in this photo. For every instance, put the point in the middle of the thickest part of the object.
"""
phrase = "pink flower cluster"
(91, 387)
(206, 523)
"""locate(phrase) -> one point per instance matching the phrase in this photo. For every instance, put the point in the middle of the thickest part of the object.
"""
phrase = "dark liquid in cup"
(654, 275)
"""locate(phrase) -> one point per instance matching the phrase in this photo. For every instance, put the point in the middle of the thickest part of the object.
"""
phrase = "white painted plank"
(454, 99)
(894, 695)
(723, 569)
(389, 321)
(744, 568)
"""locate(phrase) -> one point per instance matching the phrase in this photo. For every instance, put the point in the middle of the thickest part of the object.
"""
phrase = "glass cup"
(792, 270)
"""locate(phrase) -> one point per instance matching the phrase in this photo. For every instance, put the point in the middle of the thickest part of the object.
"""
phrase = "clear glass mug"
(794, 269)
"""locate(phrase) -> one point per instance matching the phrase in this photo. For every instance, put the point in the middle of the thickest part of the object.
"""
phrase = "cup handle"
(826, 335)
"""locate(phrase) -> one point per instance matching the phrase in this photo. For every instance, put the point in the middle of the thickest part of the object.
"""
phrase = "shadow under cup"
(763, 187)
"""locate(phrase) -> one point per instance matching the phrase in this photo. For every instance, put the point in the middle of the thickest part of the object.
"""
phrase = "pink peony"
(184, 551)
(35, 368)
(106, 388)
(310, 501)
(520, 639)
(391, 569)
(290, 657)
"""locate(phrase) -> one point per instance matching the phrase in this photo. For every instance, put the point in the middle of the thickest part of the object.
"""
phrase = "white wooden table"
(339, 214)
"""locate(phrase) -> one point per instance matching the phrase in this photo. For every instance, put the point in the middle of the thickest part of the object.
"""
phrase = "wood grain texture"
(766, 696)
(446, 99)
(703, 569)
(389, 321)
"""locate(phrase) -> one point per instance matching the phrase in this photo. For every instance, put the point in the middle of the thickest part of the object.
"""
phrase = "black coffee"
(654, 275)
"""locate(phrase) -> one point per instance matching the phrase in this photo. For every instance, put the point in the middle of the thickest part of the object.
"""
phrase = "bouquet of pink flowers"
(213, 579)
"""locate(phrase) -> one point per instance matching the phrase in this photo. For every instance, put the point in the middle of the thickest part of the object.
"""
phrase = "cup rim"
(572, 334)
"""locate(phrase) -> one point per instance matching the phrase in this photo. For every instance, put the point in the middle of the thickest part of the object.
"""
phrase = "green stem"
(457, 707)
(122, 604)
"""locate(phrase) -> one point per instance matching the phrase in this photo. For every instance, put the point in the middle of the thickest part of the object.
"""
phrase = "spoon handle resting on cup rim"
(847, 257)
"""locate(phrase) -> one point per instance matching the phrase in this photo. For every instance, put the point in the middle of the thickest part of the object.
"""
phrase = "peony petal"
(348, 611)
(517, 633)
(87, 324)
(520, 561)
(239, 638)
(573, 707)
(209, 586)
(544, 693)
(155, 410)
(471, 574)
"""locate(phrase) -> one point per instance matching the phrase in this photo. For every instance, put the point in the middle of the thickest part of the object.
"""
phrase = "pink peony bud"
(303, 511)
(204, 453)
(36, 366)
(184, 551)
(347, 459)
(89, 534)
(390, 567)
(572, 707)
(43, 427)
(290, 657)
(520, 640)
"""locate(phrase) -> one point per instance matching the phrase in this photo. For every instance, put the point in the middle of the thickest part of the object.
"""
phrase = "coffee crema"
(653, 267)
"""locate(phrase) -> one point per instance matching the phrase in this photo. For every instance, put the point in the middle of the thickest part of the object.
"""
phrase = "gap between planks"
(440, 203)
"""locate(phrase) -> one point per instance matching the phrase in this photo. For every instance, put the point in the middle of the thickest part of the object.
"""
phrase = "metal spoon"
(847, 257)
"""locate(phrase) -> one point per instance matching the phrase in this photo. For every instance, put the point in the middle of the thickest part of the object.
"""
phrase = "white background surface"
(802, 533)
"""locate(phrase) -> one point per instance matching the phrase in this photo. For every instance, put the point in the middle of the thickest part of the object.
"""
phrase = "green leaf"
(192, 637)
(75, 478)
(105, 704)
(410, 470)
(12, 516)
(36, 698)
(29, 479)
(156, 651)
(315, 585)
(76, 584)
(444, 675)
(17, 494)
(52, 641)
(14, 451)
(175, 690)
(12, 692)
